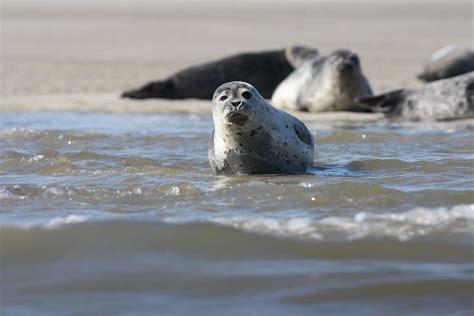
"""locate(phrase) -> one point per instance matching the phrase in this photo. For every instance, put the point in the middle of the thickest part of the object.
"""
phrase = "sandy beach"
(72, 55)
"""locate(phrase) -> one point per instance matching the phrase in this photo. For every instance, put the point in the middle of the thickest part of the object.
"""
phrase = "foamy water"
(103, 211)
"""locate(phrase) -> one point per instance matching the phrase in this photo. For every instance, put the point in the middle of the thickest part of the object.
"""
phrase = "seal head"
(233, 103)
(448, 62)
(252, 137)
(344, 62)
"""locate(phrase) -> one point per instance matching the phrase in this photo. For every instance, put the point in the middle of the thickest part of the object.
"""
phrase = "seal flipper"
(303, 133)
(384, 103)
(154, 89)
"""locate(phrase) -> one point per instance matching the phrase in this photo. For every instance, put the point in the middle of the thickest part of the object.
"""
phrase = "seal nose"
(354, 59)
(236, 103)
(346, 65)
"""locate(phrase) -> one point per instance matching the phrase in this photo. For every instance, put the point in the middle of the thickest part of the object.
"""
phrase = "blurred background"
(72, 46)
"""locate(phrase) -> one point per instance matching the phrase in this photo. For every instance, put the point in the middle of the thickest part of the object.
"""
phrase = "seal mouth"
(237, 118)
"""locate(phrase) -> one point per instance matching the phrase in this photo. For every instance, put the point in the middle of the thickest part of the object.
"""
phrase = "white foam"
(53, 191)
(70, 219)
(35, 158)
(14, 130)
(403, 226)
(7, 195)
(173, 191)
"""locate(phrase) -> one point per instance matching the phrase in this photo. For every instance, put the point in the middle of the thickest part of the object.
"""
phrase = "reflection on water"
(114, 209)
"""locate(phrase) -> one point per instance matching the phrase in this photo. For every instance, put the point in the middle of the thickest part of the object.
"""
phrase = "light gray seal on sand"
(325, 83)
(448, 62)
(265, 70)
(252, 137)
(446, 99)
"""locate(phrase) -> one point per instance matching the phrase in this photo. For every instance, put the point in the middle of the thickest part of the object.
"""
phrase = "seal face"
(449, 61)
(446, 99)
(252, 137)
(327, 83)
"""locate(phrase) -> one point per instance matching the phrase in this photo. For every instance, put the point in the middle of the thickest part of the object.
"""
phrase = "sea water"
(118, 214)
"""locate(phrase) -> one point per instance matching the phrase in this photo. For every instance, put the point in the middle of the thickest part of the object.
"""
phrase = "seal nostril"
(236, 103)
(247, 95)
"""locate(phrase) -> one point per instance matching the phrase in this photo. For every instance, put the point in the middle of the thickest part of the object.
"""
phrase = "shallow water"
(115, 214)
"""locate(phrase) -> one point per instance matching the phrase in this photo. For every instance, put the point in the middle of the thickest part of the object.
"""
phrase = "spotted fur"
(252, 137)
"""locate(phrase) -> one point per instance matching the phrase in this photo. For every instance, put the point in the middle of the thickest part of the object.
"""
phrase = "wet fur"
(269, 142)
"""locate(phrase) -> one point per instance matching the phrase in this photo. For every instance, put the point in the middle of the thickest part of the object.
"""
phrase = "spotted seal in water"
(264, 70)
(448, 62)
(252, 137)
(325, 83)
(446, 99)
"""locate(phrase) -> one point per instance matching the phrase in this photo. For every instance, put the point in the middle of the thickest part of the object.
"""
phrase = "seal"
(265, 70)
(324, 83)
(448, 62)
(250, 136)
(446, 99)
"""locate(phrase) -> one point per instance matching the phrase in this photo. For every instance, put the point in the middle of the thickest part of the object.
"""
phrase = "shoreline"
(112, 103)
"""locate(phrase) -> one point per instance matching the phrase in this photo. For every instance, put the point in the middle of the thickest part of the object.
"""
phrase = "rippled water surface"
(110, 214)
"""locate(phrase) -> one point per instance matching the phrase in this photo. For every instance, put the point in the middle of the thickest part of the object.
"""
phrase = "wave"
(418, 224)
(403, 226)
(419, 166)
(294, 261)
(78, 237)
(50, 136)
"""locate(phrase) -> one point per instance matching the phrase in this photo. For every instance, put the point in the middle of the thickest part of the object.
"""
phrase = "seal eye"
(247, 95)
(223, 98)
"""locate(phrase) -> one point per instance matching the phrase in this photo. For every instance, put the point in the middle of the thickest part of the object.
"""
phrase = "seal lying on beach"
(252, 137)
(326, 83)
(446, 99)
(265, 70)
(448, 62)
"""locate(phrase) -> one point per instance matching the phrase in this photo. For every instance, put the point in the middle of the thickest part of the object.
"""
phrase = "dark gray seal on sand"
(446, 99)
(265, 70)
(448, 62)
(325, 83)
(252, 137)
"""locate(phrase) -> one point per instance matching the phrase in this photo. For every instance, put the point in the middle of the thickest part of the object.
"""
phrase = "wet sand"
(110, 103)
